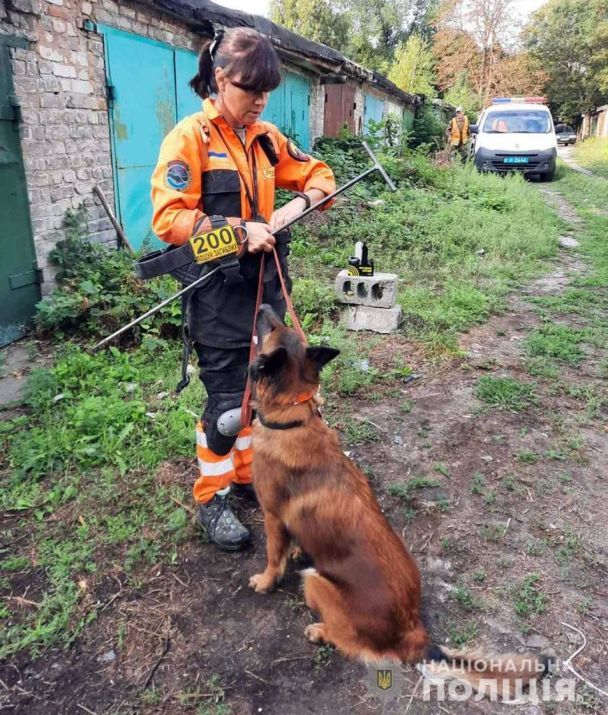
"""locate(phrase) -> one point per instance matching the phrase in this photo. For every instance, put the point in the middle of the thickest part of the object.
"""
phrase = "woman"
(221, 166)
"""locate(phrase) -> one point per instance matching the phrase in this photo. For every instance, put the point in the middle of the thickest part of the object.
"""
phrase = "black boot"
(221, 524)
(243, 491)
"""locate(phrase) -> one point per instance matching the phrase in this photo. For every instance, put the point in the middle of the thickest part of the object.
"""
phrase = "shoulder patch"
(178, 176)
(295, 152)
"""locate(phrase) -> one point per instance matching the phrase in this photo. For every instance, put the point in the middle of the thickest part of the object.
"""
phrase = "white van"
(516, 134)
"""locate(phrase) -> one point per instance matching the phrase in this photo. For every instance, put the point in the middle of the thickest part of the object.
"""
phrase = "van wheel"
(548, 175)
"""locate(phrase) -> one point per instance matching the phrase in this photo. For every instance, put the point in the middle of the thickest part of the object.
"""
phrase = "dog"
(365, 584)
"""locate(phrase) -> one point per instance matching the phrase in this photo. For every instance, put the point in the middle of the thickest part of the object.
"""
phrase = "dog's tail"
(505, 674)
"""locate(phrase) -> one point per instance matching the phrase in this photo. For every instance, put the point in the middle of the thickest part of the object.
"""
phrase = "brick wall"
(60, 83)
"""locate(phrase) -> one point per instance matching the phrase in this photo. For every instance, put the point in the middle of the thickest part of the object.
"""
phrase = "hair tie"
(213, 47)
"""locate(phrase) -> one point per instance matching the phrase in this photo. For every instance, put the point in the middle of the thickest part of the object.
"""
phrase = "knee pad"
(217, 405)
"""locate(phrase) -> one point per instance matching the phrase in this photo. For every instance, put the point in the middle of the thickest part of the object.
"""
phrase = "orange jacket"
(203, 161)
(458, 135)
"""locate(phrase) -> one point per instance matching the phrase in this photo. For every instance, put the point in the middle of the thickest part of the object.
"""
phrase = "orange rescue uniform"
(206, 169)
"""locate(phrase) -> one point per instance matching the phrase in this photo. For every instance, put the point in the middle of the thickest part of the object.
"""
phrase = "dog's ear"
(270, 364)
(321, 355)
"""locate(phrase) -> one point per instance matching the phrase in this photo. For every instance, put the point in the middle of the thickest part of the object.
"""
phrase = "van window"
(524, 121)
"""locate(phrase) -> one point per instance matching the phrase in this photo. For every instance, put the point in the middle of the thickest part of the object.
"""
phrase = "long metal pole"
(377, 167)
(156, 308)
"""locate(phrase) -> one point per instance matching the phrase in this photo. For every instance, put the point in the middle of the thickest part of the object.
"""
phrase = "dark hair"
(243, 54)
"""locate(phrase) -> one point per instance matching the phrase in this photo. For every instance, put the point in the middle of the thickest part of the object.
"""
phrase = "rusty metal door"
(339, 109)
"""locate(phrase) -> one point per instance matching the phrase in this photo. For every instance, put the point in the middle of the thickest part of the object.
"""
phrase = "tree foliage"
(477, 39)
(412, 70)
(569, 39)
(366, 31)
(313, 19)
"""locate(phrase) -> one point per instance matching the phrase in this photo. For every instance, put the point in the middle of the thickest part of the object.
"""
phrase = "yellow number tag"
(214, 244)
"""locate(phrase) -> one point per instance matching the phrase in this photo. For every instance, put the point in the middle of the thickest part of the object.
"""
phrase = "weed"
(462, 636)
(526, 457)
(442, 468)
(357, 431)
(505, 392)
(478, 482)
(445, 543)
(404, 491)
(479, 576)
(571, 546)
(528, 597)
(406, 406)
(492, 532)
(323, 656)
(535, 548)
(465, 598)
(557, 341)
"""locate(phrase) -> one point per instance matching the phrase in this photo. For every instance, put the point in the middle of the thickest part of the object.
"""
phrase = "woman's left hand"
(287, 213)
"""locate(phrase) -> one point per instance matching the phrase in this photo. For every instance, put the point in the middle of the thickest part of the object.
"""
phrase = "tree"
(474, 35)
(568, 39)
(313, 19)
(412, 70)
(463, 94)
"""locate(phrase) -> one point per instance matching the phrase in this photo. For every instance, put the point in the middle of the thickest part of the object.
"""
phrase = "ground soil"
(155, 645)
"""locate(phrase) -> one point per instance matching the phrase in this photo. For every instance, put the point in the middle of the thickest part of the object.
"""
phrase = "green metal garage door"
(19, 278)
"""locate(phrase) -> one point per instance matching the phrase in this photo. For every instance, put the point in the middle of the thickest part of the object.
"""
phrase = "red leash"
(246, 409)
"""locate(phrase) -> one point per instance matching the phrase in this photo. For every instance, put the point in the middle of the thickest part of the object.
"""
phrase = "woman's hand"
(287, 213)
(259, 237)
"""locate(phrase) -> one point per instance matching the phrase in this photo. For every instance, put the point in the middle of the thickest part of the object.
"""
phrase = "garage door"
(149, 93)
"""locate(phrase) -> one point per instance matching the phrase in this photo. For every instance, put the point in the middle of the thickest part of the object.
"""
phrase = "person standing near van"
(216, 167)
(458, 134)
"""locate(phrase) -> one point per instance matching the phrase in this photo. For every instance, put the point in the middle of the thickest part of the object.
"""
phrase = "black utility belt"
(221, 243)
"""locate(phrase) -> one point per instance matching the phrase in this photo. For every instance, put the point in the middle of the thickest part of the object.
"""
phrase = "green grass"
(505, 392)
(405, 490)
(592, 154)
(460, 241)
(462, 636)
(556, 341)
(528, 597)
(99, 427)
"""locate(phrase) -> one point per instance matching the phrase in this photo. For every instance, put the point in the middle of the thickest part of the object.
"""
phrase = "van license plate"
(516, 160)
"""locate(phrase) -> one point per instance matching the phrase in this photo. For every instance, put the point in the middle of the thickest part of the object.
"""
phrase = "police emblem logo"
(178, 176)
(384, 679)
(296, 153)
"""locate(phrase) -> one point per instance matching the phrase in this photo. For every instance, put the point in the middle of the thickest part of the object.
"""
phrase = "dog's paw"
(261, 583)
(315, 632)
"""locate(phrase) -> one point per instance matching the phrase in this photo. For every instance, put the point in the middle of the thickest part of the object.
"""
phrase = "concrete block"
(378, 291)
(378, 320)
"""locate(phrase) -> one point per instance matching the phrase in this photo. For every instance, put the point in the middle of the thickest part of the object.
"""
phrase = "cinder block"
(378, 320)
(378, 291)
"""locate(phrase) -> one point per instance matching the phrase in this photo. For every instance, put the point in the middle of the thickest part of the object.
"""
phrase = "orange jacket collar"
(212, 113)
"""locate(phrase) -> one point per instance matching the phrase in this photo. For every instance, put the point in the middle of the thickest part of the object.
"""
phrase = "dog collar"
(300, 400)
(279, 425)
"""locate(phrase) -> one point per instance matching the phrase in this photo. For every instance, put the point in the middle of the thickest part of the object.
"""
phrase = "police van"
(516, 134)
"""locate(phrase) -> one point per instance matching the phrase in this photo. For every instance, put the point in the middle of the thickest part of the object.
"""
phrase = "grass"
(406, 489)
(528, 597)
(592, 154)
(459, 241)
(505, 392)
(80, 469)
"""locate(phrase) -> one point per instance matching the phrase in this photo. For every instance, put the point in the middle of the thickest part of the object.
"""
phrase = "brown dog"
(365, 584)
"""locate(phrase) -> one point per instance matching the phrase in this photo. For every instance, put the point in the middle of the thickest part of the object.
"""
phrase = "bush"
(97, 290)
